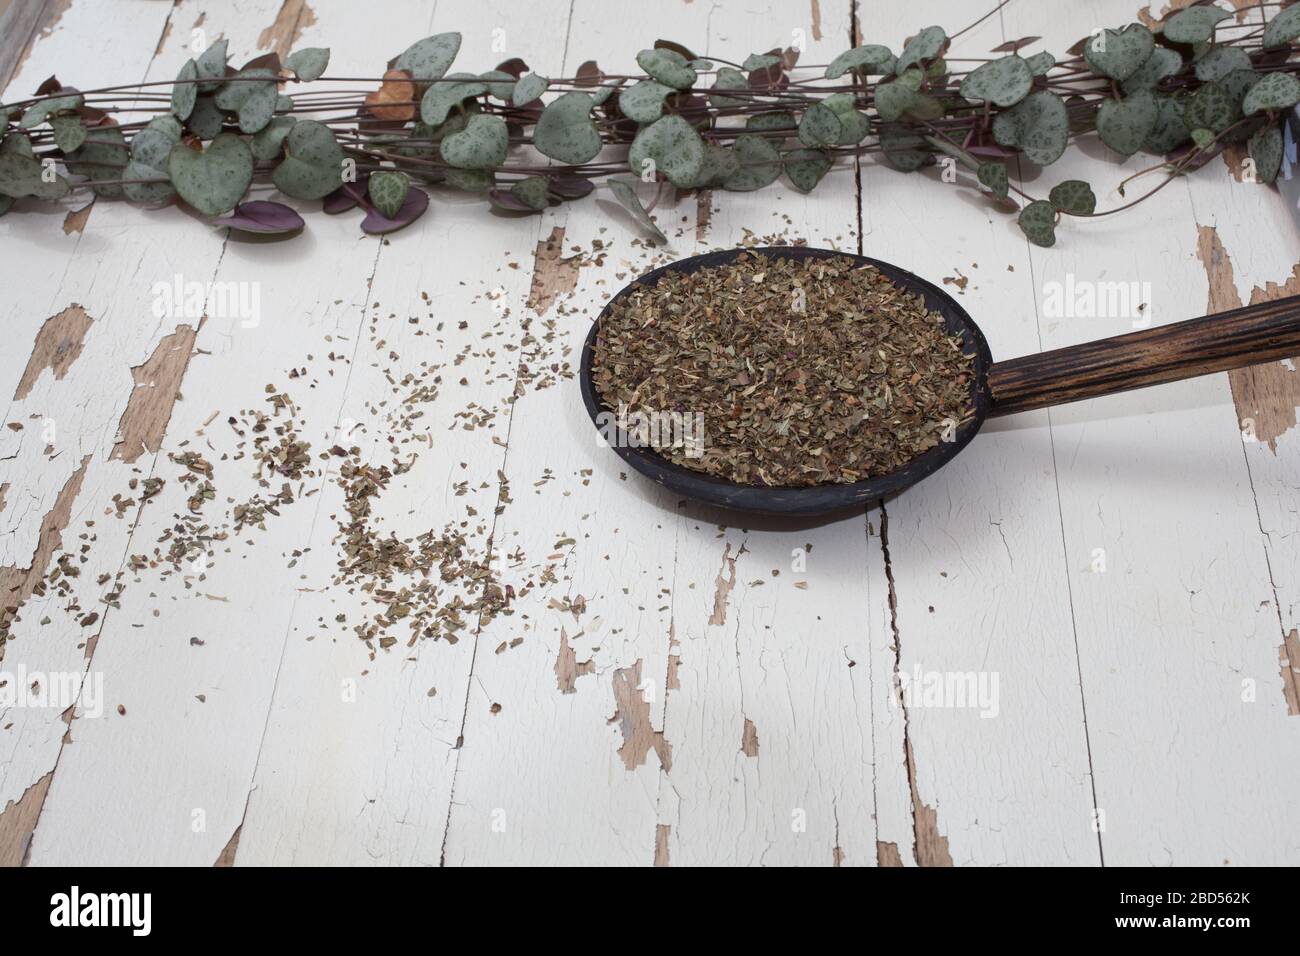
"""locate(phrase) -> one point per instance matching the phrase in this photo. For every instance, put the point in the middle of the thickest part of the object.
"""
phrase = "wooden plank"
(1169, 581)
(976, 694)
(665, 779)
(168, 775)
(68, 402)
(18, 25)
(384, 731)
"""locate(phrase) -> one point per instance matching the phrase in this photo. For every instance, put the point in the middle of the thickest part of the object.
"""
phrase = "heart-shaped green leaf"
(1039, 125)
(1193, 25)
(40, 112)
(483, 143)
(674, 147)
(759, 61)
(470, 180)
(668, 67)
(729, 78)
(313, 162)
(1221, 61)
(820, 125)
(644, 101)
(870, 60)
(1003, 82)
(212, 67)
(1276, 91)
(893, 100)
(925, 46)
(1124, 125)
(430, 58)
(500, 85)
(441, 97)
(185, 91)
(252, 94)
(854, 126)
(388, 191)
(806, 167)
(147, 192)
(760, 164)
(1210, 107)
(212, 181)
(775, 120)
(529, 88)
(309, 63)
(1265, 149)
(21, 175)
(103, 157)
(268, 143)
(1073, 196)
(1161, 63)
(1040, 63)
(532, 192)
(901, 149)
(1169, 131)
(152, 147)
(1038, 222)
(1119, 53)
(68, 132)
(565, 130)
(1283, 28)
(994, 177)
(205, 119)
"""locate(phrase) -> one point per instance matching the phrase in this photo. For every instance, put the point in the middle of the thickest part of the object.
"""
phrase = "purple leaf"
(570, 187)
(504, 199)
(346, 196)
(990, 151)
(376, 223)
(263, 217)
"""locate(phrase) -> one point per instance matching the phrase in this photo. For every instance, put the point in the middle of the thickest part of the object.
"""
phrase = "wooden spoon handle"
(1257, 333)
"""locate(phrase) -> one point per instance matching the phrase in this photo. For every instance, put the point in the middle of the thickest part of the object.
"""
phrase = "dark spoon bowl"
(814, 500)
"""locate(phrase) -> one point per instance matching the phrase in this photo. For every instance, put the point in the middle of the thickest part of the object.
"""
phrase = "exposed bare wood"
(553, 274)
(293, 17)
(157, 388)
(18, 822)
(633, 719)
(18, 583)
(57, 346)
(1266, 395)
(1288, 657)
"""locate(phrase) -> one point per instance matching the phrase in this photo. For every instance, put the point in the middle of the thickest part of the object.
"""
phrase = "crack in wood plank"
(929, 846)
(703, 213)
(58, 344)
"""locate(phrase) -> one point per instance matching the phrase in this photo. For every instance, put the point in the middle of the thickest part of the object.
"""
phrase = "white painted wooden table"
(1127, 570)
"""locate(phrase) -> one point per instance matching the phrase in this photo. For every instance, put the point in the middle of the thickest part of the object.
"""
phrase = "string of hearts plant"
(1202, 81)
